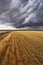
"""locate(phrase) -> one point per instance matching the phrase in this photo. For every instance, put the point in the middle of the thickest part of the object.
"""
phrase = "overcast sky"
(25, 14)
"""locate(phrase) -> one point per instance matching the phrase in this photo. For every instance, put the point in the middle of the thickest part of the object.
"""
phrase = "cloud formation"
(22, 13)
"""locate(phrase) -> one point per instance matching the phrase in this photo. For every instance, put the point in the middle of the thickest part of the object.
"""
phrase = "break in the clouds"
(22, 14)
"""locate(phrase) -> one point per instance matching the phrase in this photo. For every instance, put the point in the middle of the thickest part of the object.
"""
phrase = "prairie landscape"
(21, 47)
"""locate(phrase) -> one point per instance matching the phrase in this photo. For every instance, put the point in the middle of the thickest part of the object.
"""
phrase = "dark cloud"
(4, 4)
(24, 1)
(22, 13)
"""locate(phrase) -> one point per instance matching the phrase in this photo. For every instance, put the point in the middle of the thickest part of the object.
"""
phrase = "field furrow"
(22, 48)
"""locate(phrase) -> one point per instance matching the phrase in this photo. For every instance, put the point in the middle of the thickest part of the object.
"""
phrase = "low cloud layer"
(26, 14)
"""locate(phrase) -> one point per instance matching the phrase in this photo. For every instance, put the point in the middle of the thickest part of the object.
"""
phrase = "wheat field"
(21, 48)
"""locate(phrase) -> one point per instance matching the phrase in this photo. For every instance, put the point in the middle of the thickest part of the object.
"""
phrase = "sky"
(22, 14)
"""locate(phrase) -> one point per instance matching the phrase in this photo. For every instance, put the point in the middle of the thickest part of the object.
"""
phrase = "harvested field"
(21, 48)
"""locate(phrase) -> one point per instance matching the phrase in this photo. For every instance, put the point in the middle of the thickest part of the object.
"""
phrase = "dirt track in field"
(22, 48)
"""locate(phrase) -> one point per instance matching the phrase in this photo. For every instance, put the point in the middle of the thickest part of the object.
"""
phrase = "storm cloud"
(22, 13)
